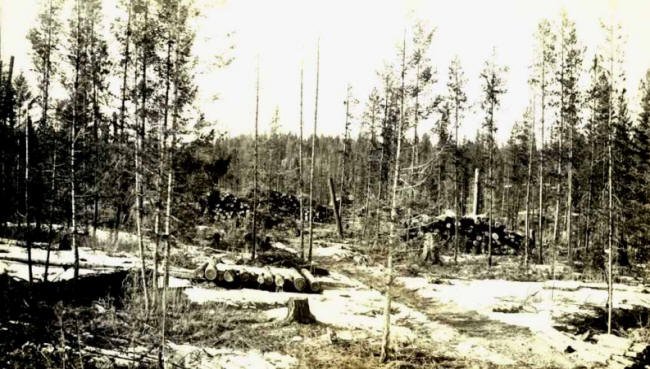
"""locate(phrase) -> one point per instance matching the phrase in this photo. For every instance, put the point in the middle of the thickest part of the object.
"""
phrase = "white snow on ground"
(202, 295)
(333, 250)
(189, 356)
(539, 303)
(99, 261)
(109, 236)
(475, 348)
(86, 256)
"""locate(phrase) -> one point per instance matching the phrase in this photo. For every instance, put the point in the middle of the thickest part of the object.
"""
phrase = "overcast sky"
(357, 38)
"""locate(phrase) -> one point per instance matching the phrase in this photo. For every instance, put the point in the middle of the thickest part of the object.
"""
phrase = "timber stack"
(270, 278)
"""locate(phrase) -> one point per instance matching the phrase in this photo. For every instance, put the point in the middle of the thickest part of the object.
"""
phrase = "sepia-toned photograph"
(324, 184)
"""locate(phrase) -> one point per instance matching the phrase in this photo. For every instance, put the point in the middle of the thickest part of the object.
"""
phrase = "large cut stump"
(299, 312)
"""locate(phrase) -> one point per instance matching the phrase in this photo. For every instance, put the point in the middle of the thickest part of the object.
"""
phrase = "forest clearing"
(489, 212)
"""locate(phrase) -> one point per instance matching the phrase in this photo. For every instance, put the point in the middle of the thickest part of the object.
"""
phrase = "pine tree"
(455, 90)
(542, 67)
(493, 88)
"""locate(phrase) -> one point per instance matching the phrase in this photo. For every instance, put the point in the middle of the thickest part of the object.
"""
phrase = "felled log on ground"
(199, 272)
(210, 271)
(291, 278)
(314, 285)
(299, 312)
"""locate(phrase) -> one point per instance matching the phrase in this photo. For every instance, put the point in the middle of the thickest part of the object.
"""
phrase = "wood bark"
(256, 163)
(138, 169)
(385, 344)
(313, 157)
(298, 311)
(301, 183)
(73, 139)
(314, 284)
(529, 178)
(337, 215)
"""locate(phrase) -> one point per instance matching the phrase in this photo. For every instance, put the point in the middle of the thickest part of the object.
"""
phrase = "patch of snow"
(190, 356)
(475, 348)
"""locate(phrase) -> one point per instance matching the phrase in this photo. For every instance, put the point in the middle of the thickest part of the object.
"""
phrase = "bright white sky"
(356, 38)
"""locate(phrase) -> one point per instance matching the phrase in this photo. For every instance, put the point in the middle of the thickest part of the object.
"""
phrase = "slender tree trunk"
(540, 225)
(139, 172)
(414, 154)
(491, 181)
(610, 223)
(95, 113)
(73, 139)
(528, 187)
(162, 139)
(385, 344)
(556, 220)
(569, 198)
(301, 183)
(344, 155)
(51, 214)
(456, 179)
(255, 164)
(313, 157)
(28, 238)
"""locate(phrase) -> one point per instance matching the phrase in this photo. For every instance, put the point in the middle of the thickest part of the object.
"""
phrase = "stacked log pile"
(280, 206)
(474, 233)
(271, 278)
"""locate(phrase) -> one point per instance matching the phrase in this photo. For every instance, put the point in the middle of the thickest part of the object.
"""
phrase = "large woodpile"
(279, 207)
(473, 231)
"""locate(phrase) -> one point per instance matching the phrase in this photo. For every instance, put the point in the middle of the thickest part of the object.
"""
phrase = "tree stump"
(299, 312)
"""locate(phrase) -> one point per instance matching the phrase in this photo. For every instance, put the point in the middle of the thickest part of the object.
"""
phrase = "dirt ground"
(452, 316)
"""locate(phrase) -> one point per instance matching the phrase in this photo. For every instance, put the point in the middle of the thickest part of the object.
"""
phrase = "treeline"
(573, 174)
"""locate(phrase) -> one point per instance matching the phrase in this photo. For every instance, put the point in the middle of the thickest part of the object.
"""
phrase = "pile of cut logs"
(260, 277)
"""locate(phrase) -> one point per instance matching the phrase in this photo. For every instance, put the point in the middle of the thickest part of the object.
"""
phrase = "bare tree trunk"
(73, 139)
(456, 190)
(345, 154)
(256, 163)
(28, 238)
(337, 215)
(610, 223)
(51, 216)
(138, 174)
(540, 215)
(301, 183)
(528, 187)
(476, 189)
(385, 344)
(556, 221)
(415, 153)
(569, 198)
(166, 238)
(313, 157)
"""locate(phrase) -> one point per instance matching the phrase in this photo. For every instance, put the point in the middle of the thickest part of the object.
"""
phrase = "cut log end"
(210, 272)
(299, 312)
(229, 276)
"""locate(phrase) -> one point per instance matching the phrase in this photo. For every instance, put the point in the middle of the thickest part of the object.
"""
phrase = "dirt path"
(475, 336)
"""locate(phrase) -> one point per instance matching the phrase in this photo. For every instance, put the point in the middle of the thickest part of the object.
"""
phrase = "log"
(314, 285)
(337, 215)
(210, 271)
(228, 275)
(298, 280)
(299, 312)
(199, 272)
(278, 276)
